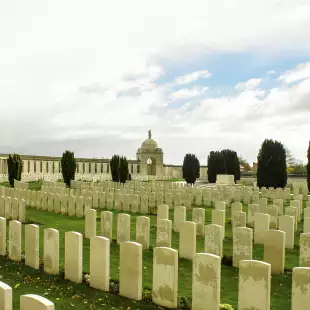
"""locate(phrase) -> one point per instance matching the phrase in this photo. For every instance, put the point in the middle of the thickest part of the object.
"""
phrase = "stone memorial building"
(149, 161)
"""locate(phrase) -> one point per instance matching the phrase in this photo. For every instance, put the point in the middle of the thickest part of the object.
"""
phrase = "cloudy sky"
(95, 76)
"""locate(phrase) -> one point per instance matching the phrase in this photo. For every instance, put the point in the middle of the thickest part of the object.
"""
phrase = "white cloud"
(251, 84)
(243, 121)
(88, 77)
(302, 71)
(186, 93)
(192, 77)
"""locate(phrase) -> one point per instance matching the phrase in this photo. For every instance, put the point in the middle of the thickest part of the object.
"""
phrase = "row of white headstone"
(254, 276)
(274, 241)
(13, 208)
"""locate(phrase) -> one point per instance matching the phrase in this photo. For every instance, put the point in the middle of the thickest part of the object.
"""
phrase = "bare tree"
(243, 162)
(290, 159)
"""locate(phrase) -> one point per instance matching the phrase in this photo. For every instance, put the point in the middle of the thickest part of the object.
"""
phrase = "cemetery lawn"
(65, 294)
(280, 284)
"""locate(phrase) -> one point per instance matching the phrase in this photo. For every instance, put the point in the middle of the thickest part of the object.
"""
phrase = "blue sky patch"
(228, 69)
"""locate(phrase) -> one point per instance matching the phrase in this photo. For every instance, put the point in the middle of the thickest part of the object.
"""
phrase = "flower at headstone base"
(87, 278)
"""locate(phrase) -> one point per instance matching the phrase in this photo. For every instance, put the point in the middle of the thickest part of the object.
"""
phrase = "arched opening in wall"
(151, 166)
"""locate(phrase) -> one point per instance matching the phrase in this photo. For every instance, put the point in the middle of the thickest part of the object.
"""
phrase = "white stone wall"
(203, 172)
(173, 171)
(176, 171)
(91, 168)
(3, 165)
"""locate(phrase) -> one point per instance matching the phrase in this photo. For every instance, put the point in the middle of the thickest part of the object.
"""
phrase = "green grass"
(280, 289)
(65, 294)
(32, 185)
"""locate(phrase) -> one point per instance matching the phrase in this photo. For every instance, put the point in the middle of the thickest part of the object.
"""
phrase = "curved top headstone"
(36, 302)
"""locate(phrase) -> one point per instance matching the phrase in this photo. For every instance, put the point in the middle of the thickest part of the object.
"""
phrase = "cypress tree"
(228, 161)
(231, 163)
(308, 168)
(123, 170)
(190, 168)
(237, 167)
(215, 165)
(114, 167)
(223, 162)
(212, 169)
(220, 163)
(68, 167)
(15, 168)
(271, 165)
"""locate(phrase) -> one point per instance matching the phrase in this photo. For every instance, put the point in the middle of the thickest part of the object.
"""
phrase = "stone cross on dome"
(150, 134)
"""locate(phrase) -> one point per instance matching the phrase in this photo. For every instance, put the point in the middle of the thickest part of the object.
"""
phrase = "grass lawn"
(280, 289)
(65, 294)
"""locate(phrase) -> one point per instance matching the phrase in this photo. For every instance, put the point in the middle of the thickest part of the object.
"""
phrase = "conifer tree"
(114, 167)
(123, 170)
(190, 168)
(215, 165)
(223, 162)
(271, 165)
(15, 168)
(231, 163)
(68, 167)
